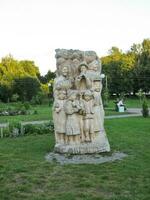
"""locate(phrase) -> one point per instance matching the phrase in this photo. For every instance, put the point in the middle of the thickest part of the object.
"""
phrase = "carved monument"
(78, 110)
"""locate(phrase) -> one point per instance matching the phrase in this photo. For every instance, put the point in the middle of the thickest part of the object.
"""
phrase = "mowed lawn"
(24, 173)
(44, 112)
(129, 102)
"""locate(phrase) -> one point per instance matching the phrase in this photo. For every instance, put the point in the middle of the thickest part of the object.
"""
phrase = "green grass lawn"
(111, 111)
(129, 102)
(24, 173)
(44, 112)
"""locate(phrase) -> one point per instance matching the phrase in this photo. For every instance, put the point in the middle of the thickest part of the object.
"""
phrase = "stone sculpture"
(78, 110)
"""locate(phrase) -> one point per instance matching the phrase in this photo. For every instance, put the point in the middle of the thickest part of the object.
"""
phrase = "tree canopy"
(130, 71)
(22, 78)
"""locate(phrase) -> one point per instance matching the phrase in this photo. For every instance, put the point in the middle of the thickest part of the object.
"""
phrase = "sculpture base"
(64, 159)
(98, 145)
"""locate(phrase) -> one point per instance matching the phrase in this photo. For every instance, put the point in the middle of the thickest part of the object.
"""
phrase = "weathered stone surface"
(78, 110)
(84, 159)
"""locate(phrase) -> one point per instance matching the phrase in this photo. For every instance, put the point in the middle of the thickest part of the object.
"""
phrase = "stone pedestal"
(78, 110)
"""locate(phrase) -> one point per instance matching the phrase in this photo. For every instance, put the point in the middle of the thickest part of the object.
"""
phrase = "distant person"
(120, 103)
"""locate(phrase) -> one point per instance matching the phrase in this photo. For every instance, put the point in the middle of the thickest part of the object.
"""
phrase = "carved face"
(65, 71)
(94, 65)
(62, 95)
(76, 61)
(72, 96)
(83, 69)
(97, 86)
(88, 96)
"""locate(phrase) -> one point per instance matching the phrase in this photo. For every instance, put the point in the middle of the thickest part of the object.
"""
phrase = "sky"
(33, 29)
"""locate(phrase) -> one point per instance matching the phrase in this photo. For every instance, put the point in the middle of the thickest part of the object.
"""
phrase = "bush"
(14, 129)
(105, 97)
(35, 112)
(19, 109)
(26, 87)
(26, 105)
(145, 110)
(5, 93)
(14, 97)
(38, 99)
(38, 129)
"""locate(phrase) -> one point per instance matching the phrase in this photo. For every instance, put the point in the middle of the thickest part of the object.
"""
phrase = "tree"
(5, 93)
(142, 67)
(10, 70)
(29, 68)
(26, 87)
(118, 68)
(48, 77)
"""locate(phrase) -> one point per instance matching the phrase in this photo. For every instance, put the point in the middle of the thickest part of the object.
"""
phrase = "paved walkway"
(134, 113)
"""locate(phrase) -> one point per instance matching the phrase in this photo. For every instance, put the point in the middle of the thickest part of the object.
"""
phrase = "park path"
(135, 112)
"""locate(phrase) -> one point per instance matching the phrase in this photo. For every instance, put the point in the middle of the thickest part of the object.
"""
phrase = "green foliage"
(12, 127)
(105, 97)
(12, 70)
(39, 129)
(38, 99)
(26, 87)
(145, 110)
(141, 95)
(130, 71)
(118, 67)
(5, 93)
(14, 97)
(18, 109)
(48, 77)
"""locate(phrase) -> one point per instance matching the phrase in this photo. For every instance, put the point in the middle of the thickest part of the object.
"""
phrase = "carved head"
(89, 56)
(62, 94)
(83, 67)
(72, 95)
(95, 65)
(65, 71)
(88, 95)
(97, 86)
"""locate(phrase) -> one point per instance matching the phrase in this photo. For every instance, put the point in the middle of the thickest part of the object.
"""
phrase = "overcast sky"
(33, 29)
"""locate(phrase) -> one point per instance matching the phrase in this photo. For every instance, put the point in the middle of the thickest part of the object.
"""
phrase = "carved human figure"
(63, 81)
(59, 116)
(89, 56)
(94, 70)
(72, 107)
(74, 66)
(78, 111)
(88, 115)
(98, 107)
(82, 81)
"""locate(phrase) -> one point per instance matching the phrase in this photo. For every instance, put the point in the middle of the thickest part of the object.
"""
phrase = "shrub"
(105, 97)
(14, 97)
(145, 110)
(38, 129)
(26, 105)
(38, 99)
(35, 112)
(14, 129)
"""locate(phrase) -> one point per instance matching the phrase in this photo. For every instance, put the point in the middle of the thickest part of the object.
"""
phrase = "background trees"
(26, 87)
(22, 78)
(128, 72)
